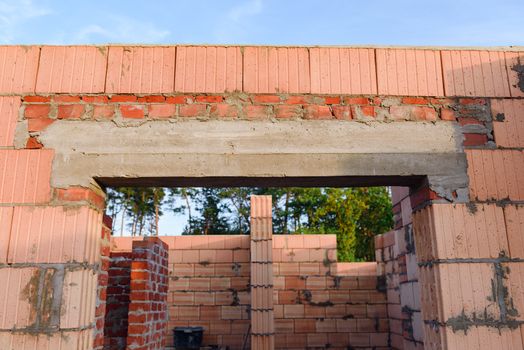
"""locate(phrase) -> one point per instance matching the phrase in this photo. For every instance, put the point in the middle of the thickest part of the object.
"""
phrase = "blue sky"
(271, 22)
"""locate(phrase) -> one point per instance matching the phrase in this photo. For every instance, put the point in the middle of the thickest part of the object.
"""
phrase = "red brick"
(293, 311)
(288, 111)
(209, 98)
(257, 112)
(412, 113)
(332, 100)
(472, 101)
(103, 112)
(305, 326)
(224, 110)
(287, 297)
(318, 112)
(414, 100)
(132, 111)
(363, 111)
(74, 194)
(66, 98)
(95, 99)
(162, 110)
(314, 311)
(342, 112)
(39, 124)
(37, 111)
(266, 99)
(193, 110)
(295, 283)
(37, 99)
(469, 121)
(447, 114)
(70, 111)
(475, 139)
(296, 100)
(179, 99)
(33, 143)
(356, 100)
(123, 98)
(152, 99)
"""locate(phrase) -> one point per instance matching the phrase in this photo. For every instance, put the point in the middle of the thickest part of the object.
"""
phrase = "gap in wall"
(354, 214)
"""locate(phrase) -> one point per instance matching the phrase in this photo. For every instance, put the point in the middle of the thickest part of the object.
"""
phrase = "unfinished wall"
(147, 317)
(396, 256)
(117, 300)
(136, 317)
(320, 303)
(208, 285)
(103, 278)
(317, 301)
(446, 122)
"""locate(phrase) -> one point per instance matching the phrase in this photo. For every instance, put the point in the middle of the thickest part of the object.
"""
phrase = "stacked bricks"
(470, 255)
(262, 317)
(318, 302)
(41, 111)
(148, 314)
(322, 303)
(208, 286)
(103, 278)
(136, 316)
(479, 91)
(117, 300)
(50, 258)
(395, 254)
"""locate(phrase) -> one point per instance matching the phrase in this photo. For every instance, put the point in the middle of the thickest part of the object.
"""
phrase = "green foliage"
(355, 215)
(211, 209)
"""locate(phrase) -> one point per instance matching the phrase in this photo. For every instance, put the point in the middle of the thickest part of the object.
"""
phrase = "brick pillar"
(147, 318)
(50, 257)
(100, 312)
(466, 275)
(262, 319)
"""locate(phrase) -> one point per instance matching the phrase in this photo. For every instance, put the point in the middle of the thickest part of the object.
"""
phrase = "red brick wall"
(136, 317)
(42, 111)
(322, 303)
(396, 256)
(103, 277)
(147, 318)
(118, 289)
(317, 301)
(480, 90)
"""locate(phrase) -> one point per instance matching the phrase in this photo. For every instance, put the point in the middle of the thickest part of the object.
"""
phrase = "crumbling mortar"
(499, 296)
(46, 331)
(519, 69)
(69, 266)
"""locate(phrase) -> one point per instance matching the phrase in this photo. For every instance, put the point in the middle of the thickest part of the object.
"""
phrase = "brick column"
(147, 318)
(49, 257)
(262, 319)
(466, 272)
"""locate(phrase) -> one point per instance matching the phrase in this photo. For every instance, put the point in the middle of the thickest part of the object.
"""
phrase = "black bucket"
(188, 338)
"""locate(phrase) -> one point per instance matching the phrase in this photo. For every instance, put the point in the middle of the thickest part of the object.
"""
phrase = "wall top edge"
(510, 48)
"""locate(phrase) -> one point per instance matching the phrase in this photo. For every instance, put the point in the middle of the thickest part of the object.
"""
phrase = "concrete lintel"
(85, 150)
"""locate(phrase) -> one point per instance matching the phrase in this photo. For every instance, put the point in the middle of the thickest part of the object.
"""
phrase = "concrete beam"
(263, 149)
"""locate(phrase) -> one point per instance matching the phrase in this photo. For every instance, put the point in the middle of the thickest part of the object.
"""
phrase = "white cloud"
(14, 13)
(234, 25)
(246, 9)
(119, 29)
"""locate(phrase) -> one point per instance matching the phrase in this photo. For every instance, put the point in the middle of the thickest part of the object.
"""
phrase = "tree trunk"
(122, 222)
(156, 211)
(186, 197)
(286, 212)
